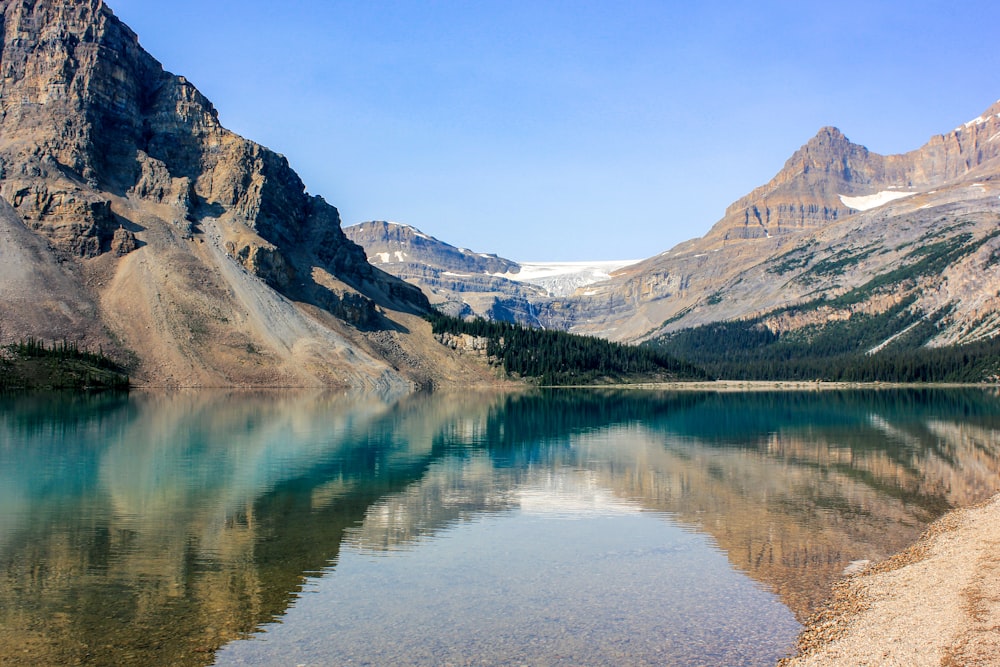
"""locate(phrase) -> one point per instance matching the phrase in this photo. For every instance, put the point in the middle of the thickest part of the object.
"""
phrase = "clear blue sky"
(552, 130)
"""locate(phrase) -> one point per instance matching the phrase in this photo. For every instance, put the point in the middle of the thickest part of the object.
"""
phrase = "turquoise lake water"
(603, 527)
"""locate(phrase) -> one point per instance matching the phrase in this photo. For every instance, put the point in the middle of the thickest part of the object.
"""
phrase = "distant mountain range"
(463, 283)
(837, 232)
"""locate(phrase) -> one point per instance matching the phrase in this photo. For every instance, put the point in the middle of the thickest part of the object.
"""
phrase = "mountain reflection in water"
(154, 529)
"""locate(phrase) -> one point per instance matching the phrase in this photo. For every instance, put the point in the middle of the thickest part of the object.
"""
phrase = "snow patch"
(386, 257)
(563, 278)
(868, 202)
(980, 120)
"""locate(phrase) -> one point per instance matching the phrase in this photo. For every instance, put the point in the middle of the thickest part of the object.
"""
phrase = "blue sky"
(552, 130)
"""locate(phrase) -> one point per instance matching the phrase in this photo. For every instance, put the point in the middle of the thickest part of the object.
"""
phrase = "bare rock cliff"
(85, 111)
(457, 281)
(205, 258)
(836, 216)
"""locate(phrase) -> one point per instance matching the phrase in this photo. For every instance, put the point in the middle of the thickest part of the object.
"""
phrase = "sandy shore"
(937, 603)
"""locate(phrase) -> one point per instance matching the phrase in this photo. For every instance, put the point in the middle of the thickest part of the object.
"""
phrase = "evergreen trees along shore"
(559, 358)
(33, 364)
(888, 347)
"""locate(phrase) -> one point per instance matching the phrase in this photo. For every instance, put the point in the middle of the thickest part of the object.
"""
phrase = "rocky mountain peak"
(804, 194)
(121, 167)
(992, 113)
(828, 144)
(396, 243)
(828, 135)
(808, 193)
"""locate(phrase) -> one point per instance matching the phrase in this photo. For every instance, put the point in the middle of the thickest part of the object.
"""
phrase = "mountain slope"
(836, 218)
(463, 283)
(194, 253)
(457, 281)
(833, 219)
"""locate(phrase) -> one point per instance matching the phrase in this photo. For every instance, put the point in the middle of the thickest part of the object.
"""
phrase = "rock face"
(836, 217)
(205, 258)
(817, 184)
(456, 280)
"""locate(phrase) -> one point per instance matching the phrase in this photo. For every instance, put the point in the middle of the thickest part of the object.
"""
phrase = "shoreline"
(935, 603)
(776, 385)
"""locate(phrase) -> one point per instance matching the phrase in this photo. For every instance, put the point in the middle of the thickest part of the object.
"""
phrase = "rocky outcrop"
(465, 343)
(205, 258)
(395, 243)
(835, 217)
(83, 103)
(810, 191)
(457, 281)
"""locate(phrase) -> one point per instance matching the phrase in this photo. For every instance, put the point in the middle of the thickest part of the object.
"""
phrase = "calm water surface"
(553, 528)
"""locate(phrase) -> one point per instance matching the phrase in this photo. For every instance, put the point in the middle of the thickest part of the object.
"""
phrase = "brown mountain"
(836, 217)
(131, 219)
(807, 193)
(457, 281)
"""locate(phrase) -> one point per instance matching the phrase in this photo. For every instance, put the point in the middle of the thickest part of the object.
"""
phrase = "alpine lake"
(542, 528)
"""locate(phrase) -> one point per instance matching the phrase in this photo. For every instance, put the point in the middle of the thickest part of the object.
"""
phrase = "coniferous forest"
(559, 358)
(852, 350)
(33, 364)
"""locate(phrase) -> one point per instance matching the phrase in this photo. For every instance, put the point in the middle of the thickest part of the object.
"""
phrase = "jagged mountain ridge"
(463, 283)
(833, 218)
(811, 188)
(196, 254)
(457, 281)
(836, 218)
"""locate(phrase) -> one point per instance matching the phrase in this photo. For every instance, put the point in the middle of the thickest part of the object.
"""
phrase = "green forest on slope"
(31, 364)
(884, 347)
(840, 351)
(559, 358)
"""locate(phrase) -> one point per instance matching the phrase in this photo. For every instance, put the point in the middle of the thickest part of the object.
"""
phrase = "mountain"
(131, 220)
(838, 224)
(839, 233)
(463, 283)
(457, 281)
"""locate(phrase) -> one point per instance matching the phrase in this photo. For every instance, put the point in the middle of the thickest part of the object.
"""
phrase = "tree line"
(835, 351)
(33, 364)
(560, 358)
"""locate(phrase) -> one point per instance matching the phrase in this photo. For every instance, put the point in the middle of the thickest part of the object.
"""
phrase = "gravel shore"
(937, 603)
